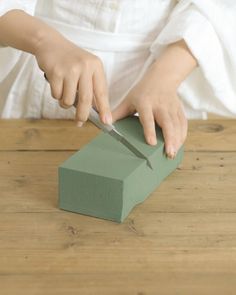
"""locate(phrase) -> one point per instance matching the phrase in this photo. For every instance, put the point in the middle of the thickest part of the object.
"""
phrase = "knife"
(112, 131)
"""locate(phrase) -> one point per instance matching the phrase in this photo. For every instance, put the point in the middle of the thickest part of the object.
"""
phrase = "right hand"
(70, 68)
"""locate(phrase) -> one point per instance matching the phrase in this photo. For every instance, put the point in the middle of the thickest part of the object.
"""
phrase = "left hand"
(155, 99)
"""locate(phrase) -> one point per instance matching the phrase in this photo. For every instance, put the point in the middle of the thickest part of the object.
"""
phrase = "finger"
(121, 111)
(177, 131)
(85, 97)
(184, 125)
(179, 123)
(56, 85)
(146, 118)
(69, 92)
(101, 96)
(168, 129)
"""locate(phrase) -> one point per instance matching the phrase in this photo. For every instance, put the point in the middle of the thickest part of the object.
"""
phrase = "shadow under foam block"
(104, 179)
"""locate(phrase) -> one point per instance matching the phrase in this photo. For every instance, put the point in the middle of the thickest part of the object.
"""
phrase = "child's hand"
(69, 68)
(155, 98)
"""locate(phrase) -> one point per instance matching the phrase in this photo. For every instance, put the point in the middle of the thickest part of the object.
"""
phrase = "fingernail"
(171, 153)
(152, 140)
(108, 119)
(80, 124)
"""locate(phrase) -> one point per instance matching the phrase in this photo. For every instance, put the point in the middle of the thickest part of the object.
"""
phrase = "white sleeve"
(26, 5)
(208, 28)
(9, 56)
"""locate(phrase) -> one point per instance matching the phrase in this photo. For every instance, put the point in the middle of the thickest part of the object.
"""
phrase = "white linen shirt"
(128, 35)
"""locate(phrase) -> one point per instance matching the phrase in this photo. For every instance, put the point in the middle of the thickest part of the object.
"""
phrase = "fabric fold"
(208, 29)
(10, 54)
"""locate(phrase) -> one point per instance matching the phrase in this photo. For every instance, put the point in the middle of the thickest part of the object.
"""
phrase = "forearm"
(25, 32)
(175, 63)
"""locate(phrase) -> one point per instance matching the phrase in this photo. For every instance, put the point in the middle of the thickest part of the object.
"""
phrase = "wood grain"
(44, 135)
(211, 135)
(180, 241)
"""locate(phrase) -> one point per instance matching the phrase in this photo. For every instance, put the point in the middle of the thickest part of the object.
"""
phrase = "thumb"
(121, 111)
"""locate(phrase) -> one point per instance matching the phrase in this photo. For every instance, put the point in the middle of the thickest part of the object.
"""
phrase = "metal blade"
(118, 136)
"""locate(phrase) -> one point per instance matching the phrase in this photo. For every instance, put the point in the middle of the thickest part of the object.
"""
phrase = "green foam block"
(106, 180)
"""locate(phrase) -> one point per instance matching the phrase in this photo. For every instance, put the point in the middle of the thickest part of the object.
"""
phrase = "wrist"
(166, 77)
(175, 64)
(24, 32)
(44, 39)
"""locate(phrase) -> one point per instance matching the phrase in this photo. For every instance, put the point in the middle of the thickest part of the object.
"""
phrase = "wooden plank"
(211, 135)
(79, 235)
(28, 183)
(44, 135)
(171, 250)
(144, 283)
(180, 241)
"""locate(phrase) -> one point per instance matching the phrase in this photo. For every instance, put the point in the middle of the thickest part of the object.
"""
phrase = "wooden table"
(182, 240)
